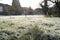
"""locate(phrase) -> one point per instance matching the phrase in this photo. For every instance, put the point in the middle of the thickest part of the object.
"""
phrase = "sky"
(26, 3)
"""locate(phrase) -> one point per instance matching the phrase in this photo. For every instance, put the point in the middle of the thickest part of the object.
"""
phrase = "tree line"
(15, 10)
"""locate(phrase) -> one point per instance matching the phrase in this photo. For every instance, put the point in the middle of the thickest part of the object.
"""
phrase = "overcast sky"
(25, 3)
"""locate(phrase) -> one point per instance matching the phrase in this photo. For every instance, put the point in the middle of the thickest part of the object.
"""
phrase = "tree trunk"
(45, 7)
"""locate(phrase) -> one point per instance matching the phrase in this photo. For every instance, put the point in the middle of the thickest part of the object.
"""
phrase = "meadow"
(32, 27)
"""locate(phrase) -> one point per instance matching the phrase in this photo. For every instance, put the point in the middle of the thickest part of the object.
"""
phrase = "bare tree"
(57, 4)
(45, 7)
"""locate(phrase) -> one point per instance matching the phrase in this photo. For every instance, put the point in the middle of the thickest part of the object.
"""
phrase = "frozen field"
(50, 25)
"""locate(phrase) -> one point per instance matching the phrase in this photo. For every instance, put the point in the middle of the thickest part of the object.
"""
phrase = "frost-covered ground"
(50, 25)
